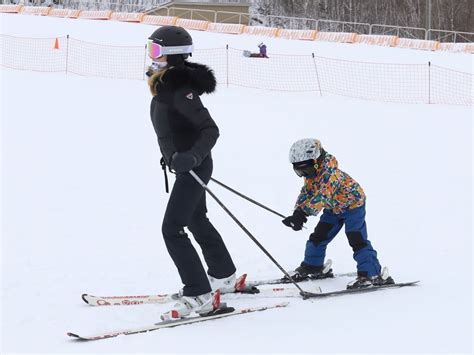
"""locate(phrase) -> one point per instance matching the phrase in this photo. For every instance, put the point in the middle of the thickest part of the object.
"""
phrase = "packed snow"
(83, 198)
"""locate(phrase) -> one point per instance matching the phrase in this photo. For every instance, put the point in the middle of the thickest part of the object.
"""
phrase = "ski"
(166, 298)
(325, 274)
(220, 313)
(92, 300)
(285, 280)
(307, 295)
(131, 300)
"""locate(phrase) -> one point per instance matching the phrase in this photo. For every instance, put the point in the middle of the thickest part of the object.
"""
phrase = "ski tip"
(84, 295)
(75, 336)
(78, 338)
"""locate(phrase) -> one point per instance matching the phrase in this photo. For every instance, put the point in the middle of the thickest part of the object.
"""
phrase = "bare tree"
(452, 15)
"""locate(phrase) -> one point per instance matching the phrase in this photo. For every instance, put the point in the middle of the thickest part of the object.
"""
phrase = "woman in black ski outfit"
(186, 134)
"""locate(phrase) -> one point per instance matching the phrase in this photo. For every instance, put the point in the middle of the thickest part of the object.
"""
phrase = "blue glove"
(183, 162)
(296, 221)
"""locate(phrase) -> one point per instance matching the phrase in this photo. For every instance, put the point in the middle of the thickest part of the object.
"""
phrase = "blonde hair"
(157, 75)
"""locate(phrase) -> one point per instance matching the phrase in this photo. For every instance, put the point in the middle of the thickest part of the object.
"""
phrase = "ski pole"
(248, 198)
(194, 175)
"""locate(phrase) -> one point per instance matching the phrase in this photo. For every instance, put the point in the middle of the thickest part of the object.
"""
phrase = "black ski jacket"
(181, 122)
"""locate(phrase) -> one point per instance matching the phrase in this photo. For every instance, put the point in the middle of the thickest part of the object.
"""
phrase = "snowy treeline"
(452, 15)
(448, 15)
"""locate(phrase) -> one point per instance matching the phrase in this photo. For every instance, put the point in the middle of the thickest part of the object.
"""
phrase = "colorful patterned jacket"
(331, 188)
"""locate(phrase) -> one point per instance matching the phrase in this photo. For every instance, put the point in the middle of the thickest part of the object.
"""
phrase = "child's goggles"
(156, 51)
(305, 168)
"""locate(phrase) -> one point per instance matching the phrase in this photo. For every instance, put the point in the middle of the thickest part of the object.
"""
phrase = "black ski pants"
(187, 208)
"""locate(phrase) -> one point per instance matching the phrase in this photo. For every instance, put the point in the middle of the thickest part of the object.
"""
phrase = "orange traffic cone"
(56, 44)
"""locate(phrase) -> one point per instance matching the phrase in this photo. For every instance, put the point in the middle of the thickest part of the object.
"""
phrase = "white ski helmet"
(305, 149)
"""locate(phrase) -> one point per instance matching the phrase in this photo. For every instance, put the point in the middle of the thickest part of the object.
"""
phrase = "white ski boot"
(200, 304)
(228, 284)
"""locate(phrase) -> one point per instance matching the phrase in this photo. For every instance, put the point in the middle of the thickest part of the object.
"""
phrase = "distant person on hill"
(342, 201)
(262, 53)
(186, 135)
(263, 50)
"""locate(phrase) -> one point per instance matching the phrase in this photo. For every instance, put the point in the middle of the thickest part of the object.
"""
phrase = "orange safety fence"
(197, 25)
(452, 47)
(449, 86)
(417, 44)
(229, 28)
(273, 73)
(127, 16)
(95, 15)
(67, 13)
(341, 37)
(308, 35)
(159, 20)
(97, 60)
(470, 48)
(35, 10)
(261, 31)
(457, 47)
(36, 54)
(400, 83)
(378, 40)
(13, 9)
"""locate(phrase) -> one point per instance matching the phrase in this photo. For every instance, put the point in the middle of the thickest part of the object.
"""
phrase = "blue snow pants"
(356, 230)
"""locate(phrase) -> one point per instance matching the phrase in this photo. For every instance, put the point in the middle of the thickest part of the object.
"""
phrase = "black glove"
(296, 221)
(183, 162)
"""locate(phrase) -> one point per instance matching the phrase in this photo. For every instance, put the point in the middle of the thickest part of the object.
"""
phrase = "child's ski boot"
(363, 281)
(311, 272)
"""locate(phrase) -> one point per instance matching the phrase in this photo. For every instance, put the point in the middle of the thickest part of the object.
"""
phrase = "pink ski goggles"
(156, 51)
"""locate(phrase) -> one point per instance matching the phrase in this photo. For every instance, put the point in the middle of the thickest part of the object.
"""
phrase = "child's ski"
(285, 280)
(220, 313)
(307, 295)
(326, 273)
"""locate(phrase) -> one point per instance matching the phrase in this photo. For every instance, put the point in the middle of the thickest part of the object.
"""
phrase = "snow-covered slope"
(83, 198)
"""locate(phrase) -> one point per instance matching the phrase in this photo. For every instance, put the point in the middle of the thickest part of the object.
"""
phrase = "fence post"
(227, 64)
(67, 51)
(144, 63)
(429, 82)
(317, 75)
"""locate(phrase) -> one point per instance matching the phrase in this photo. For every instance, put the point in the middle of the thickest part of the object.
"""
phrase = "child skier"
(343, 200)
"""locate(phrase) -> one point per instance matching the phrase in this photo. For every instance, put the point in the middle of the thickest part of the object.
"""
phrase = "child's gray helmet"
(305, 149)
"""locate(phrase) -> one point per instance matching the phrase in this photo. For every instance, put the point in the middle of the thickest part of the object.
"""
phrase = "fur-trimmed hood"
(199, 76)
